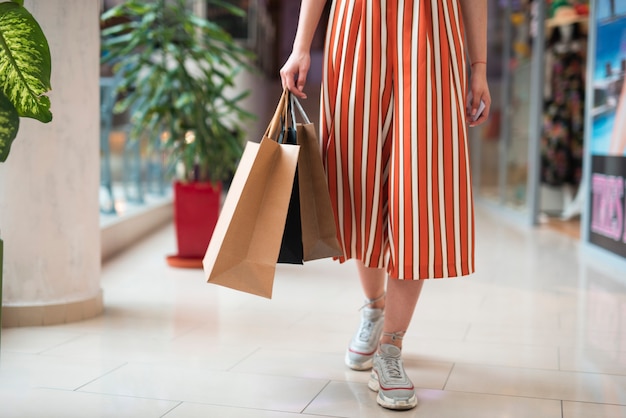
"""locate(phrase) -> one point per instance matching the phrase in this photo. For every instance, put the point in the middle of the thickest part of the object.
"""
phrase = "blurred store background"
(552, 155)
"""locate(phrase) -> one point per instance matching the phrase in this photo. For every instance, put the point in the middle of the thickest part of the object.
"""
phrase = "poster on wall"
(607, 226)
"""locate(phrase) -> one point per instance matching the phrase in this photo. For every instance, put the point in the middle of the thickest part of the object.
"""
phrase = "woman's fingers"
(480, 105)
(481, 119)
(293, 74)
(483, 116)
(301, 82)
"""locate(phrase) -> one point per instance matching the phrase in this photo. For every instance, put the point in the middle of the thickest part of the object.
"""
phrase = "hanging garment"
(563, 118)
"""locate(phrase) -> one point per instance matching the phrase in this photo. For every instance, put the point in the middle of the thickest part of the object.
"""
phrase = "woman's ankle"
(393, 338)
(375, 303)
(378, 305)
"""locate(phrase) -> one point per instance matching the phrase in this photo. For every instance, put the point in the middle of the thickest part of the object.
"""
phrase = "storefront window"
(528, 158)
(486, 140)
(504, 147)
(519, 65)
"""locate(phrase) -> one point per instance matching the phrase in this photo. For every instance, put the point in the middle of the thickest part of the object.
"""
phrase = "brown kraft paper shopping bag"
(244, 248)
(319, 233)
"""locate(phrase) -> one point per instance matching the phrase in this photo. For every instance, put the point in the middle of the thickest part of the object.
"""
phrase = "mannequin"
(562, 138)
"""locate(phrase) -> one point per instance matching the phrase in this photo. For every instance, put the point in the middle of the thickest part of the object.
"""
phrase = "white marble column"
(49, 215)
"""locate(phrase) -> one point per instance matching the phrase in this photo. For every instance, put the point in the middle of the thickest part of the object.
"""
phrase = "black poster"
(607, 203)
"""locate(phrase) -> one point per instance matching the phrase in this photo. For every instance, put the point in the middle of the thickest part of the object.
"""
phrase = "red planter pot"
(196, 208)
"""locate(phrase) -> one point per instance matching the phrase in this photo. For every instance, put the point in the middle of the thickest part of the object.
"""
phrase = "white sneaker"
(364, 343)
(395, 389)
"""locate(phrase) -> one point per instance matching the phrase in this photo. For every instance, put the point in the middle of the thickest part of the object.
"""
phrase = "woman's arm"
(475, 22)
(294, 72)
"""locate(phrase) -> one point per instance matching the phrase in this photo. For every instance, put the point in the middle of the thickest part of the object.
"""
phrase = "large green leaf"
(24, 62)
(9, 124)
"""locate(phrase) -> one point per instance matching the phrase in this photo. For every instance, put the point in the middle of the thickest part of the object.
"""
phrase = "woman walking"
(395, 114)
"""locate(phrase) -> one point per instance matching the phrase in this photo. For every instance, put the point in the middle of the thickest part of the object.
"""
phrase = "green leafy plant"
(177, 71)
(25, 67)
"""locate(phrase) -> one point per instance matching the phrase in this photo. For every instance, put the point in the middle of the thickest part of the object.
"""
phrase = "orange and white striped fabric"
(394, 136)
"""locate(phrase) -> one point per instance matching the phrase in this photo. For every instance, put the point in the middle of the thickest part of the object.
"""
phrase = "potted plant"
(177, 71)
(25, 67)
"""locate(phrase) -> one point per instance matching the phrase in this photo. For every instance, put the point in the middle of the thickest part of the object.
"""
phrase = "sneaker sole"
(390, 403)
(367, 365)
(396, 404)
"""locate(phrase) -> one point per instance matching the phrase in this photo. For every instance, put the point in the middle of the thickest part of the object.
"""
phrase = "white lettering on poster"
(607, 217)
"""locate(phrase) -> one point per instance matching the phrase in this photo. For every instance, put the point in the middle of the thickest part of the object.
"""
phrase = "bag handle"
(288, 124)
(294, 101)
(277, 123)
(280, 122)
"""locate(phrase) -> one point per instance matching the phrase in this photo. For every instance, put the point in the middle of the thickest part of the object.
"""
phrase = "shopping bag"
(319, 233)
(244, 247)
(291, 250)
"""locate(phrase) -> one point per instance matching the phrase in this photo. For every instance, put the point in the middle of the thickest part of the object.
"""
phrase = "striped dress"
(394, 136)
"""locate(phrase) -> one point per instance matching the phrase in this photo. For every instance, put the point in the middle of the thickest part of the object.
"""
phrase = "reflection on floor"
(535, 333)
(570, 227)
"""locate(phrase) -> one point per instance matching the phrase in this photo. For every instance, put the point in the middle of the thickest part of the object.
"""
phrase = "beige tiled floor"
(536, 333)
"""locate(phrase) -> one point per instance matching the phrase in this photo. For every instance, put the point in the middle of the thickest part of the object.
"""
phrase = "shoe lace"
(393, 367)
(366, 330)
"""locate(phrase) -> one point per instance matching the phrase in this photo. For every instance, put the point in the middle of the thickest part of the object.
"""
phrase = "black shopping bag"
(291, 248)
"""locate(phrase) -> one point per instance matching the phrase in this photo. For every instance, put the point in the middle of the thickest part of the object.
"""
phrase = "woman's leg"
(388, 377)
(373, 284)
(402, 296)
(364, 342)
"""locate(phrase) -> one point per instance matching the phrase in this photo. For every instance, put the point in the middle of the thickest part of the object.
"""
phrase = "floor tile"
(523, 334)
(449, 404)
(34, 339)
(244, 390)
(331, 367)
(30, 370)
(196, 410)
(511, 355)
(183, 353)
(50, 403)
(349, 399)
(593, 361)
(352, 400)
(534, 383)
(592, 410)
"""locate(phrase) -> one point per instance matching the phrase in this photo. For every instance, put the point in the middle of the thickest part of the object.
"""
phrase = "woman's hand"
(294, 72)
(480, 91)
